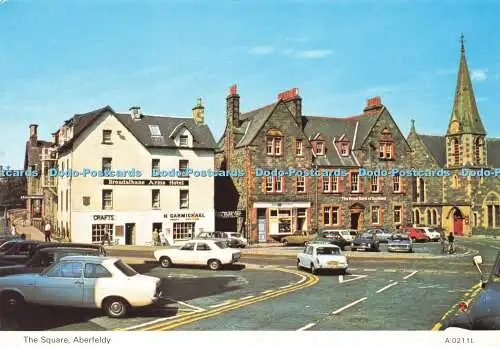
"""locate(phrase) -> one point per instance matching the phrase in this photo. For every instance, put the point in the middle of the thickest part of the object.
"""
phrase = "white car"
(240, 240)
(345, 233)
(211, 253)
(431, 232)
(322, 256)
(83, 281)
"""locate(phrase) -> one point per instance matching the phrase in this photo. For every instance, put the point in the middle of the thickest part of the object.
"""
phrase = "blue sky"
(58, 58)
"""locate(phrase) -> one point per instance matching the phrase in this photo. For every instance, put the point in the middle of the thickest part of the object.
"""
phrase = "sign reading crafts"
(185, 216)
(133, 182)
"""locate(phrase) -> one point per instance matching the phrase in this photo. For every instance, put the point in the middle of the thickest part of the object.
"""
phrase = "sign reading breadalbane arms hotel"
(146, 182)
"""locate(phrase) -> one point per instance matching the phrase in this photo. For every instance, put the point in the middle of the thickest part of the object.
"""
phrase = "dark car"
(17, 251)
(483, 313)
(98, 247)
(44, 258)
(332, 237)
(366, 241)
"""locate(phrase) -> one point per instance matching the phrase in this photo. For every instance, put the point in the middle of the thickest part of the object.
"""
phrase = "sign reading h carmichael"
(146, 182)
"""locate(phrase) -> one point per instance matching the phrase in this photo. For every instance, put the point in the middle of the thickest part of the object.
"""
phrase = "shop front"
(186, 225)
(275, 220)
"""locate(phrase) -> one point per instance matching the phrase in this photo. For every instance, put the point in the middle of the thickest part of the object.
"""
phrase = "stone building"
(279, 137)
(467, 195)
(41, 197)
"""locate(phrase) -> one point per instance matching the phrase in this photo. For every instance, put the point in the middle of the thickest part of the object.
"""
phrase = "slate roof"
(436, 145)
(252, 123)
(202, 136)
(32, 155)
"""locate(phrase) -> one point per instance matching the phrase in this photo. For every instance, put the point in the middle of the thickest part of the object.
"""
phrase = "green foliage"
(485, 231)
(11, 189)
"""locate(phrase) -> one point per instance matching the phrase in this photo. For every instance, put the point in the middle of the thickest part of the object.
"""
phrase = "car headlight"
(317, 260)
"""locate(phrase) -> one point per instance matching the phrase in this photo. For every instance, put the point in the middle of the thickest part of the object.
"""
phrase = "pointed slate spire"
(465, 117)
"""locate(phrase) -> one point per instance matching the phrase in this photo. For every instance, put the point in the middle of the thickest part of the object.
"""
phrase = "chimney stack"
(135, 112)
(293, 101)
(33, 134)
(374, 103)
(233, 107)
(199, 112)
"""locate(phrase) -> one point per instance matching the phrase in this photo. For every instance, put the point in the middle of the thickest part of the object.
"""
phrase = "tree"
(11, 190)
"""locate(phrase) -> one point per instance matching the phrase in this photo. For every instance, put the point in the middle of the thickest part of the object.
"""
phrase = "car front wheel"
(214, 264)
(165, 262)
(11, 302)
(313, 269)
(298, 265)
(115, 307)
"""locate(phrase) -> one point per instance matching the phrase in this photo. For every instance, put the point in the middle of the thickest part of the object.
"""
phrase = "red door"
(458, 224)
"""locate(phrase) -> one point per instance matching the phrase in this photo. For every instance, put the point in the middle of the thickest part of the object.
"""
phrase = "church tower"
(465, 138)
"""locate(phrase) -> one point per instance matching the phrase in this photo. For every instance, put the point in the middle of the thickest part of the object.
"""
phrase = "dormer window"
(299, 148)
(183, 141)
(344, 150)
(155, 130)
(320, 148)
(386, 146)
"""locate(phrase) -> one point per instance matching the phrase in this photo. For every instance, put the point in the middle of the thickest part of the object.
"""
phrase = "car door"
(61, 285)
(203, 253)
(302, 255)
(95, 278)
(186, 254)
(307, 259)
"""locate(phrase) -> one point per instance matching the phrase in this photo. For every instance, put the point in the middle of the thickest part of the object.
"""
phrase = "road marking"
(386, 287)
(390, 270)
(370, 270)
(267, 291)
(309, 278)
(495, 247)
(305, 327)
(436, 326)
(349, 305)
(356, 277)
(159, 320)
(191, 306)
(288, 286)
(408, 276)
(227, 302)
(247, 297)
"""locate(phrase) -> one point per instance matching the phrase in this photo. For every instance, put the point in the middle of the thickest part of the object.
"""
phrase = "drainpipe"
(316, 198)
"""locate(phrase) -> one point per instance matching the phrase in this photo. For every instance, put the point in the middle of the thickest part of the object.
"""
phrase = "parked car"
(416, 234)
(400, 243)
(82, 281)
(213, 254)
(333, 237)
(344, 233)
(297, 239)
(383, 235)
(17, 251)
(367, 242)
(483, 312)
(98, 247)
(215, 236)
(431, 232)
(44, 258)
(322, 256)
(236, 238)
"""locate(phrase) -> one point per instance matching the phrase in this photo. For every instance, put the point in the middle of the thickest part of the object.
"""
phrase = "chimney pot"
(289, 94)
(233, 90)
(135, 112)
(376, 101)
(199, 112)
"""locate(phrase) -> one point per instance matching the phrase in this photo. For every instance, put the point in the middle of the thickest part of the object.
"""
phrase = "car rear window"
(125, 269)
(327, 250)
(221, 244)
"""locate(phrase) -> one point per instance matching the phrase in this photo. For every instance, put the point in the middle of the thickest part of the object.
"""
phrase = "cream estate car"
(322, 256)
(210, 253)
(82, 281)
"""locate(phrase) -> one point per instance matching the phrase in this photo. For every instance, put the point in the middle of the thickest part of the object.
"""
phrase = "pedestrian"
(23, 236)
(163, 238)
(155, 237)
(451, 242)
(48, 232)
(13, 230)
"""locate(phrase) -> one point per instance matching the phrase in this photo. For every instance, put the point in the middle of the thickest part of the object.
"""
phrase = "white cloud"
(479, 74)
(313, 54)
(261, 50)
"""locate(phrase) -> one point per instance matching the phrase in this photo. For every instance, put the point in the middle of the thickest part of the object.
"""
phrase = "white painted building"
(134, 202)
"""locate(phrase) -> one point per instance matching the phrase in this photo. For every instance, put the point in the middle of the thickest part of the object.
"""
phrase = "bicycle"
(451, 248)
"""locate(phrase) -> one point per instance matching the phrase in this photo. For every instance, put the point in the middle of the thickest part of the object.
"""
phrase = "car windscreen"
(327, 251)
(125, 269)
(7, 245)
(221, 244)
(400, 238)
(367, 236)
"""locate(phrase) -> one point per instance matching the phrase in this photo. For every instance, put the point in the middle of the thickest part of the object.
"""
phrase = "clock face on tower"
(454, 126)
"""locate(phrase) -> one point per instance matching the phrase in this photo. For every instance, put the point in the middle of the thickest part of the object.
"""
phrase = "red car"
(416, 234)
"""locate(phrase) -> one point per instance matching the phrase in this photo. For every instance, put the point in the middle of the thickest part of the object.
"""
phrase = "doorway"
(129, 233)
(355, 220)
(261, 225)
(356, 216)
(458, 222)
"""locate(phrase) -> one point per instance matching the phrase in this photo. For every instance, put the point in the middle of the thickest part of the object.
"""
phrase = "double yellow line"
(471, 293)
(196, 316)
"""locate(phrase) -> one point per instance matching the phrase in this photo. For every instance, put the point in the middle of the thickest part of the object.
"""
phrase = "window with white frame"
(183, 141)
(396, 184)
(106, 164)
(375, 184)
(155, 198)
(183, 167)
(99, 232)
(183, 231)
(299, 147)
(375, 215)
(269, 184)
(326, 215)
(320, 148)
(183, 198)
(335, 215)
(107, 199)
(274, 145)
(354, 182)
(344, 149)
(278, 184)
(397, 214)
(155, 165)
(330, 184)
(301, 184)
(106, 136)
(326, 185)
(331, 215)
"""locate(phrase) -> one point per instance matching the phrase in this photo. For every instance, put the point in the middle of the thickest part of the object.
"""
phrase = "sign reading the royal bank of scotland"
(134, 182)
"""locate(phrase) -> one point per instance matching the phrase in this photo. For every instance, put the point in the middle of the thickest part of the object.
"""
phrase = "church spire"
(465, 117)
